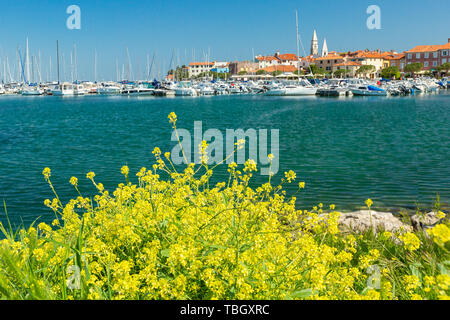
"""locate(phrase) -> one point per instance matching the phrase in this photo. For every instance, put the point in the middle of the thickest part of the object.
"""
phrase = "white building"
(196, 68)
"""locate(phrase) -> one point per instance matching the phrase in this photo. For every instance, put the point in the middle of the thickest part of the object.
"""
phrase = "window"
(425, 64)
(444, 61)
(434, 63)
(417, 55)
(427, 55)
(409, 56)
(444, 53)
(435, 54)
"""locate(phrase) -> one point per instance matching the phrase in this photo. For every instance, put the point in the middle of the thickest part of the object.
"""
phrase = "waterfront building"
(221, 67)
(196, 68)
(350, 68)
(243, 66)
(431, 56)
(397, 60)
(328, 62)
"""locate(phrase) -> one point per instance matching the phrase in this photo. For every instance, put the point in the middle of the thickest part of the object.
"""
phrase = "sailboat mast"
(298, 47)
(57, 58)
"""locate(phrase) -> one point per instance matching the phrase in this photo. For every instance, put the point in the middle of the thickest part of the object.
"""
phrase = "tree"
(339, 73)
(413, 68)
(260, 72)
(276, 73)
(366, 69)
(444, 68)
(242, 73)
(391, 72)
(301, 72)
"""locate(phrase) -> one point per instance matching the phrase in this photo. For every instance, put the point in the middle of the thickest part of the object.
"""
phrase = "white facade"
(196, 68)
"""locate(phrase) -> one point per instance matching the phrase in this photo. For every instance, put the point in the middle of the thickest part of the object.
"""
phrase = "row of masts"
(28, 68)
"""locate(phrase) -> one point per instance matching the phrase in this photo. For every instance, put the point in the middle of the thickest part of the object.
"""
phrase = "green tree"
(444, 68)
(366, 69)
(339, 73)
(242, 73)
(276, 73)
(260, 72)
(391, 72)
(413, 68)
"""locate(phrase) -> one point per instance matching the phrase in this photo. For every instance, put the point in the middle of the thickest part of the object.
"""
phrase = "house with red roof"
(431, 56)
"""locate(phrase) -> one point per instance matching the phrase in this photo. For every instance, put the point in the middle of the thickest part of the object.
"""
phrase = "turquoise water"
(394, 150)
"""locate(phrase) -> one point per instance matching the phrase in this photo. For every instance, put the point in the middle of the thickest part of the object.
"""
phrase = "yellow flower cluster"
(186, 238)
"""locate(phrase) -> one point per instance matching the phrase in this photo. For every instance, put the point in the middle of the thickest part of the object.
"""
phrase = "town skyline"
(109, 32)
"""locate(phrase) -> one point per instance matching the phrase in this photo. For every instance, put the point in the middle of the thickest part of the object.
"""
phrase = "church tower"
(314, 45)
(324, 48)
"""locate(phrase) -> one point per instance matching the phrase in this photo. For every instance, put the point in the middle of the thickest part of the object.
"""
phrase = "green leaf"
(302, 294)
(165, 253)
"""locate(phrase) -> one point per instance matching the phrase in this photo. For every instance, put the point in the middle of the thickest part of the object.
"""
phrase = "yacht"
(79, 90)
(32, 91)
(63, 89)
(139, 90)
(301, 88)
(368, 90)
(108, 89)
(184, 89)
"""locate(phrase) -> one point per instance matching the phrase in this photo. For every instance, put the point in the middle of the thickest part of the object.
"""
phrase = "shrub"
(182, 238)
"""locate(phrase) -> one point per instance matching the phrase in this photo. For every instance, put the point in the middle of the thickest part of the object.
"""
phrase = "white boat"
(137, 91)
(207, 91)
(368, 90)
(32, 91)
(79, 90)
(63, 89)
(184, 89)
(301, 88)
(108, 89)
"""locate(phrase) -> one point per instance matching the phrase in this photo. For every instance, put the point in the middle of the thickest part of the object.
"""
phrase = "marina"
(322, 87)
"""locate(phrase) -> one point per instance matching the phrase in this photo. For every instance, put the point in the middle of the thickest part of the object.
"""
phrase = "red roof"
(282, 68)
(347, 64)
(288, 56)
(201, 63)
(431, 48)
(330, 57)
(266, 58)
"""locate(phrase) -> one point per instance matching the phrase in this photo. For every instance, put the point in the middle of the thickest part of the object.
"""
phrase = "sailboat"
(65, 88)
(302, 87)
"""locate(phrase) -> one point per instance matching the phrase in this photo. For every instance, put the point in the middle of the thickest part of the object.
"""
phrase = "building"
(196, 68)
(243, 66)
(221, 67)
(324, 52)
(350, 68)
(328, 62)
(280, 68)
(314, 45)
(397, 60)
(287, 59)
(431, 56)
(373, 58)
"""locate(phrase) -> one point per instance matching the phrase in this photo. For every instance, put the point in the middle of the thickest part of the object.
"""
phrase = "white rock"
(360, 221)
(422, 221)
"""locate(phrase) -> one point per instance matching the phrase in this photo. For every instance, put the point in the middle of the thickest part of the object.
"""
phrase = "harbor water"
(394, 150)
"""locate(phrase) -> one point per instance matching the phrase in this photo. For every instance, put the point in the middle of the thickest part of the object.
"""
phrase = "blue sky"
(229, 30)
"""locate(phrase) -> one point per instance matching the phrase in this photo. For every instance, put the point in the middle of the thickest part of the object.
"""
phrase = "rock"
(359, 221)
(424, 221)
